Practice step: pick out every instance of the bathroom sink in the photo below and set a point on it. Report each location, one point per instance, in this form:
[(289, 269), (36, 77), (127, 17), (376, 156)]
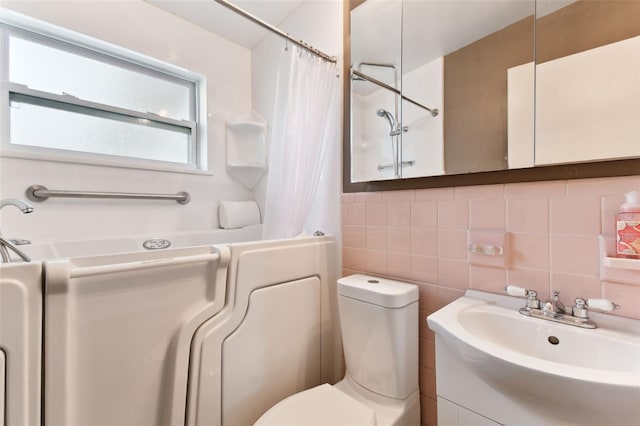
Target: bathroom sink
[(540, 364), (530, 343)]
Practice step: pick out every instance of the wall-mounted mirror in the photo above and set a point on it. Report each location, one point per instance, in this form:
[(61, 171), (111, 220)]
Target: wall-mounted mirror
[(376, 89), (587, 81), (449, 61), (449, 88)]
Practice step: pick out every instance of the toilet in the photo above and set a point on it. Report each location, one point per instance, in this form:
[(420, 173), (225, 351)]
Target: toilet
[(379, 325)]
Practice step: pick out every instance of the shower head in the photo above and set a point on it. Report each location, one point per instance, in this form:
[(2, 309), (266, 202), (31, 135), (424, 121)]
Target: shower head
[(388, 116)]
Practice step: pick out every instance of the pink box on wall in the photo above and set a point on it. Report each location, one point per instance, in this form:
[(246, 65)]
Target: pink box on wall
[(488, 247)]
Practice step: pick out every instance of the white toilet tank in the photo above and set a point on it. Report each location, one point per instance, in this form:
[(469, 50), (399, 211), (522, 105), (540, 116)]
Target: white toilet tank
[(379, 324)]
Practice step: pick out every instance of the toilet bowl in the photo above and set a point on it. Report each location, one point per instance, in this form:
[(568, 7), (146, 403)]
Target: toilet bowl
[(379, 325)]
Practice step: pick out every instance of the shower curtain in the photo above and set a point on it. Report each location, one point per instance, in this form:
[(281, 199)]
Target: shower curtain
[(303, 120)]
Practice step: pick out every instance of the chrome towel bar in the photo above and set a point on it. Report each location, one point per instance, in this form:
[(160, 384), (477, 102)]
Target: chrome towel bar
[(41, 193)]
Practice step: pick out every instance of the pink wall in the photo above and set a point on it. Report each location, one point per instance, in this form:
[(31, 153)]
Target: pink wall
[(553, 231)]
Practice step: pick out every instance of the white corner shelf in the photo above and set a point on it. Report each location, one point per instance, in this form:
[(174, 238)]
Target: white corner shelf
[(247, 148), (621, 263), (247, 126), (247, 174)]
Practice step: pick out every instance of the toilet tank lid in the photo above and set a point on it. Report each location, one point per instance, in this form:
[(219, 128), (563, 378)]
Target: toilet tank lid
[(379, 291)]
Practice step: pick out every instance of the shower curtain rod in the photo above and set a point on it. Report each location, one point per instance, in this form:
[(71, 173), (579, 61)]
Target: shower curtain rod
[(275, 30)]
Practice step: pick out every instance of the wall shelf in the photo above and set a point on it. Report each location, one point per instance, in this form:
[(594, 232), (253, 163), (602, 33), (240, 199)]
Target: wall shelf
[(621, 263), (247, 148), (616, 269), (247, 174), (247, 126)]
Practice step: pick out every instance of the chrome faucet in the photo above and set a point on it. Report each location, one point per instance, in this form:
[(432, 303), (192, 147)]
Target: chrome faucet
[(554, 306), (23, 206), (554, 310), (5, 245)]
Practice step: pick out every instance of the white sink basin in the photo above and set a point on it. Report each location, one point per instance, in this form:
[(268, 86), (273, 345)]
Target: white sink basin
[(592, 376)]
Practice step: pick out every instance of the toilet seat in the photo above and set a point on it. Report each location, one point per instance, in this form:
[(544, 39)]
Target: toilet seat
[(320, 406)]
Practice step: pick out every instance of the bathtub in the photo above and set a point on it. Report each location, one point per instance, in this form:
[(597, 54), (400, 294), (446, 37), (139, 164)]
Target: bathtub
[(42, 250), (200, 333)]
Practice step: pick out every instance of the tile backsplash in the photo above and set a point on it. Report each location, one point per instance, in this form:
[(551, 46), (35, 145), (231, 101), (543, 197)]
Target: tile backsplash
[(554, 232)]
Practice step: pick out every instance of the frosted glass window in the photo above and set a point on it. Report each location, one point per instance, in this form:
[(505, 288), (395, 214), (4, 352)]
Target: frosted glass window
[(76, 72), (75, 131), (77, 95)]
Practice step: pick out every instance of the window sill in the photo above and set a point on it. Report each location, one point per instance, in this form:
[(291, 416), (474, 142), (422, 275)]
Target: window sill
[(89, 160)]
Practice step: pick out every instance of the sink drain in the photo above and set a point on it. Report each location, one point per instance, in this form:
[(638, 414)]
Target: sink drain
[(553, 340)]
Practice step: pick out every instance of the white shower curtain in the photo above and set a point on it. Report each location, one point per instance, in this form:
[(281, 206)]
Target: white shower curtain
[(303, 120)]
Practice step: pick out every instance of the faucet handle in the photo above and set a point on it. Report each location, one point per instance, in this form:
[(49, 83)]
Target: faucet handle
[(580, 309), (532, 300), (513, 290), (602, 305), (531, 295)]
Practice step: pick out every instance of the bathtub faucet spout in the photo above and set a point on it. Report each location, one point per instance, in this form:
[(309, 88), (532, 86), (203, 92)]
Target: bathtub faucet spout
[(5, 245), (22, 205)]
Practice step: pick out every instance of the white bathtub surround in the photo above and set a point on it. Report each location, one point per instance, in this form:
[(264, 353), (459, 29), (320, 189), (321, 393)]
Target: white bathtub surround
[(43, 250), (293, 345), (144, 28), (158, 337), (21, 342), (118, 329), (306, 97), (3, 367)]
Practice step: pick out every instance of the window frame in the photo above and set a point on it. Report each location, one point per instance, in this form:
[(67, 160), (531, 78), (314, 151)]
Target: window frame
[(16, 25)]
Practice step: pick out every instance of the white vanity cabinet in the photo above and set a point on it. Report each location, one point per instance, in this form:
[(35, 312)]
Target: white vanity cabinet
[(450, 414), (497, 366)]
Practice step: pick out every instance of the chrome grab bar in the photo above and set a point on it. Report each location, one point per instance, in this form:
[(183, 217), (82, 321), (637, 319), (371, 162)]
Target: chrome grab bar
[(41, 193)]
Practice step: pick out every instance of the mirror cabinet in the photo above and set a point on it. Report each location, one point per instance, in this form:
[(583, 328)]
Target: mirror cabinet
[(447, 93)]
